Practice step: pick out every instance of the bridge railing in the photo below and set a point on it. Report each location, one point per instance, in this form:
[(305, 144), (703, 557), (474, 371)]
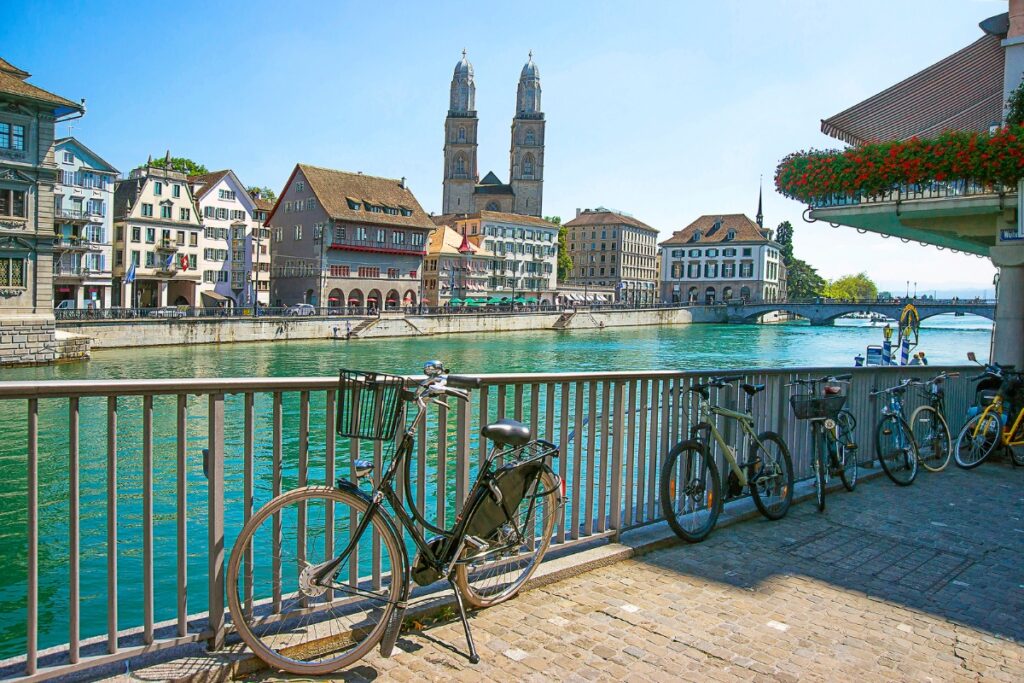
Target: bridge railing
[(117, 524)]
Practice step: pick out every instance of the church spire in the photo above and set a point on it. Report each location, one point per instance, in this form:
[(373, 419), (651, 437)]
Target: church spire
[(528, 97), (760, 213), (463, 93)]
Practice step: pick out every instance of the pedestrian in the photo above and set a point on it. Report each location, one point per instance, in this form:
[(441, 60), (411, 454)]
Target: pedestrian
[(924, 361)]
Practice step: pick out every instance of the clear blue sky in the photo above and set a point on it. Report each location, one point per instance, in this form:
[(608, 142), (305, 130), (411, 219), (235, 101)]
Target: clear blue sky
[(667, 110)]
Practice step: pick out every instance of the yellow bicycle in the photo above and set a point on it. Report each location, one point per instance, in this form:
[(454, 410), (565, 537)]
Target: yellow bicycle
[(993, 426)]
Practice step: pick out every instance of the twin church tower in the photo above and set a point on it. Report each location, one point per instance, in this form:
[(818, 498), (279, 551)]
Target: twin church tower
[(464, 191)]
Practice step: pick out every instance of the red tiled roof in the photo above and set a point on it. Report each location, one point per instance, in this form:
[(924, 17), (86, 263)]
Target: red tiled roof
[(962, 92), (744, 230), (12, 82), (599, 217), (207, 180)]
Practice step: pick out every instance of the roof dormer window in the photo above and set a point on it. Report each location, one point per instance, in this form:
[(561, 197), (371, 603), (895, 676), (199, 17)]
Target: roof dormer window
[(695, 237), (730, 236), (353, 204)]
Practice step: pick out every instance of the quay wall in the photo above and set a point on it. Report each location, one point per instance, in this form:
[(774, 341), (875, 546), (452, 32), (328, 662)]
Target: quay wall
[(108, 334), (34, 340)]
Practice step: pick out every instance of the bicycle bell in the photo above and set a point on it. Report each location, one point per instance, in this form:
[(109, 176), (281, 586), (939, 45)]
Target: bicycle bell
[(433, 368)]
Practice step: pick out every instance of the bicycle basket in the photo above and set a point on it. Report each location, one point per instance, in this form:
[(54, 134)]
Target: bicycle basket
[(369, 404), (807, 407)]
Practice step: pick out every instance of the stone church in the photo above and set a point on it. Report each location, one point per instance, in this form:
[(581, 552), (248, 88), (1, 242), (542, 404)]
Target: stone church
[(464, 191)]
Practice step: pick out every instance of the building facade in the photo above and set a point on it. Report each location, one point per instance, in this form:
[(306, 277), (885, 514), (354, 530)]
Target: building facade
[(525, 250), (722, 258), (613, 249), (262, 263), (463, 190), (456, 267), (233, 235), (347, 240), (159, 240), (83, 226)]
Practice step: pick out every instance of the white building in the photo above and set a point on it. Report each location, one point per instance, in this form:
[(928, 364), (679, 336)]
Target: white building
[(82, 226), (235, 243), (721, 258), (525, 247)]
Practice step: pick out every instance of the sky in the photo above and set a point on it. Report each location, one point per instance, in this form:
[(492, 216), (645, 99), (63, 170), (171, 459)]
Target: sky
[(665, 110)]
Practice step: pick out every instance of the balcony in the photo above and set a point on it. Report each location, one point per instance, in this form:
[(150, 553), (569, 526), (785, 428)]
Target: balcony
[(72, 244), (379, 247), (167, 245), (71, 272)]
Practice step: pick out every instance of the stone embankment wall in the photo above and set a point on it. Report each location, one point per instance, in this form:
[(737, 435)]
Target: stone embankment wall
[(121, 334), (34, 340)]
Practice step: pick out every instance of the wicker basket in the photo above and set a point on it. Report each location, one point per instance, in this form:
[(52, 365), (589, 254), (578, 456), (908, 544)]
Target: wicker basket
[(807, 407), (369, 404)]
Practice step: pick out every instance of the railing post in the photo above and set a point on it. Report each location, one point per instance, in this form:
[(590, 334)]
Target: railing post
[(616, 484), (215, 522)]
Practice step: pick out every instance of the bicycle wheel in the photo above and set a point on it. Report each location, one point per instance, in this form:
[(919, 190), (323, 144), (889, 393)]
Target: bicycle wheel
[(934, 443), (846, 449), (497, 573), (820, 471), (896, 449), (291, 621), (978, 438), (690, 487), (770, 474)]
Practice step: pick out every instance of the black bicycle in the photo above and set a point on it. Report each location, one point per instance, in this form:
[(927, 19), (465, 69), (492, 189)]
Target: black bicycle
[(833, 449), (320, 575)]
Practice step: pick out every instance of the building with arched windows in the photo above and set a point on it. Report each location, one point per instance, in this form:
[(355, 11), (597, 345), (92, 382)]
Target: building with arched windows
[(464, 191)]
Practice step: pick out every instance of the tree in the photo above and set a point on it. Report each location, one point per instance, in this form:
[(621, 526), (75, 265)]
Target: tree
[(858, 286), (802, 279), (564, 260), (181, 164), (263, 193)]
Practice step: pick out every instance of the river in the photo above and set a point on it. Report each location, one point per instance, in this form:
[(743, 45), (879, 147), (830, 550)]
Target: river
[(946, 340)]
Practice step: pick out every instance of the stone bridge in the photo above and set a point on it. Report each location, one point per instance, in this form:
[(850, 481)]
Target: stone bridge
[(825, 313)]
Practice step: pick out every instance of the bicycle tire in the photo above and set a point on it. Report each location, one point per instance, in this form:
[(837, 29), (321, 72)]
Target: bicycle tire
[(973, 449), (902, 469), (820, 473), (935, 444), (313, 632), (848, 457), (700, 493), (1016, 455), (471, 578), (782, 474)]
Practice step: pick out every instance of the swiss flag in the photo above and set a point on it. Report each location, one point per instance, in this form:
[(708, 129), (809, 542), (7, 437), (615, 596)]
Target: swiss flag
[(184, 262)]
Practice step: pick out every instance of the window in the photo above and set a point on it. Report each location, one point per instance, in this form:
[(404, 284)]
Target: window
[(318, 232), (462, 134), (136, 233), (300, 186), (746, 251), (158, 187), (398, 237), (12, 271), (380, 236), (528, 165), (460, 165), (208, 212), (310, 203), (298, 232), (393, 273), (693, 272), (417, 239), (69, 158), (12, 136), (278, 234), (184, 214), (531, 138), (147, 210), (711, 269), (222, 214), (352, 203), (365, 271), (728, 252), (746, 270), (694, 253), (165, 212), (176, 190), (150, 259), (340, 271), (238, 215), (226, 194), (361, 234), (119, 257), (12, 203), (150, 235), (712, 252)]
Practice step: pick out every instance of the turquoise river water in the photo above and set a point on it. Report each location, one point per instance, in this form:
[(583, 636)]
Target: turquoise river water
[(945, 339)]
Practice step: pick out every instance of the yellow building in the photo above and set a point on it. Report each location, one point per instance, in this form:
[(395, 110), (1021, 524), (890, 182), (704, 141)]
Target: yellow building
[(455, 267)]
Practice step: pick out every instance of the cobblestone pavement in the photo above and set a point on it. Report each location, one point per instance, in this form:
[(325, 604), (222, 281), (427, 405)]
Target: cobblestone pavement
[(918, 583)]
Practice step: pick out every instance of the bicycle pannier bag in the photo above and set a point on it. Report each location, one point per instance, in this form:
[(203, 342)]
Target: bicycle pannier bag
[(515, 482)]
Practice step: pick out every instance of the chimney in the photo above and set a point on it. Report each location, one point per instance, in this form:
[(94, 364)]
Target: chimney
[(1016, 19), (577, 212), (401, 183)]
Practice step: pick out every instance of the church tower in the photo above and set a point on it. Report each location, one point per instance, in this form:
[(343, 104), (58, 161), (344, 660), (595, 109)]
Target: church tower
[(526, 165), (460, 145)]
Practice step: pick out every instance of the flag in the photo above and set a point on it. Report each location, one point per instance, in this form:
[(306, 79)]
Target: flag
[(130, 275), (169, 262)]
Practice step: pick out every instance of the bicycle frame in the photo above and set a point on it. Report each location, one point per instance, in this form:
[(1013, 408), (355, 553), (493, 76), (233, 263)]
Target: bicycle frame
[(1006, 433), (746, 421)]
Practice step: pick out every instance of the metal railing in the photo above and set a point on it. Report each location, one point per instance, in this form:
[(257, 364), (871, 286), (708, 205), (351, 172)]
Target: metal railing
[(936, 189), (129, 522)]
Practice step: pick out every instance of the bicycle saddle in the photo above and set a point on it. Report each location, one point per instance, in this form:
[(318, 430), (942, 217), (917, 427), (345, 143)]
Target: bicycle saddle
[(752, 389), (507, 432)]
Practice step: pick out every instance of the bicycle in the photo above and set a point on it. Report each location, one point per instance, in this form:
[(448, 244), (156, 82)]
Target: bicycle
[(690, 483), (991, 427), (305, 608), (831, 431), (895, 445), (929, 426)]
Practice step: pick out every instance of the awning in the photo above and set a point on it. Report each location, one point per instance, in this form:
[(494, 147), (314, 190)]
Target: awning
[(531, 299), (214, 296)]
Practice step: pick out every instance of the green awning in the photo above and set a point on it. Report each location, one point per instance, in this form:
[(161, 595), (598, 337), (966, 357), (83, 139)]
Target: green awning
[(473, 302), (456, 300), (520, 300), (531, 299), (494, 300)]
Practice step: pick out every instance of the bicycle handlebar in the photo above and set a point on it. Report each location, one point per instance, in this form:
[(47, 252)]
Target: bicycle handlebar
[(827, 378), (465, 381)]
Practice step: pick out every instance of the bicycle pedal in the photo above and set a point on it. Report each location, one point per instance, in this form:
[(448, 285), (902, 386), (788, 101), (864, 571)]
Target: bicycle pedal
[(851, 446), (476, 544), (887, 432)]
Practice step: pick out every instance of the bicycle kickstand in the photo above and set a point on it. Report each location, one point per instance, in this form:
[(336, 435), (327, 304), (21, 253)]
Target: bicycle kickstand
[(474, 658)]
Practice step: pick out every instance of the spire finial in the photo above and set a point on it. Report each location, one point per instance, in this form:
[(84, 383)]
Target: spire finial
[(531, 55), (760, 192), (463, 53)]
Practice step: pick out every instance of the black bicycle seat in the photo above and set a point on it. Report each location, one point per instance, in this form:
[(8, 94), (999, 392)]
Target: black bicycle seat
[(507, 432), (752, 389)]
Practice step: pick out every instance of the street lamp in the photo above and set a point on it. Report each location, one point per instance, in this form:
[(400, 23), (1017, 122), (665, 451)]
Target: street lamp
[(915, 290), (907, 295)]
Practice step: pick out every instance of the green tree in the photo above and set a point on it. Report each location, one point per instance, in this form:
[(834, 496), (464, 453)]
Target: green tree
[(182, 164), (564, 260), (263, 192), (802, 279), (858, 286)]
